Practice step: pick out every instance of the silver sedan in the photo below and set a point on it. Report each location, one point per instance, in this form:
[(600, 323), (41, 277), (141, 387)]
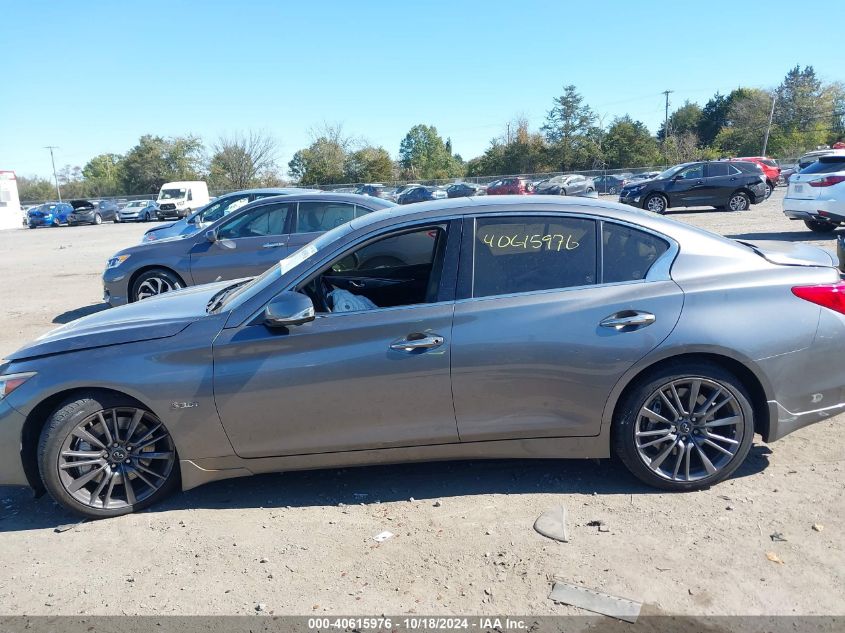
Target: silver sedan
[(541, 327)]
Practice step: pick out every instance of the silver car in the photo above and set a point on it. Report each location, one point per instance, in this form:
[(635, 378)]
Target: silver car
[(542, 327), (138, 211)]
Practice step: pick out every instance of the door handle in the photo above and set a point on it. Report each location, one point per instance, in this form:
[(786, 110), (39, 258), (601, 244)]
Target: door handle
[(417, 341), (628, 319), (272, 245)]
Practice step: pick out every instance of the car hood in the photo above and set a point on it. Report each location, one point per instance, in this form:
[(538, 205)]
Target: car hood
[(147, 320), (174, 229)]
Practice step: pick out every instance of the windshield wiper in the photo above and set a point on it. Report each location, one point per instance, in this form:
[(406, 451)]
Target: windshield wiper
[(220, 296)]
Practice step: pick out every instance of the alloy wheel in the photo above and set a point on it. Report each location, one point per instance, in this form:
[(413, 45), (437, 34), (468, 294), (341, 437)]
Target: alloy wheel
[(738, 203), (155, 286), (116, 458), (689, 429), (656, 204)]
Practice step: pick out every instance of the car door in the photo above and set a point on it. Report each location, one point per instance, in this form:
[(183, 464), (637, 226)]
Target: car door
[(719, 184), (540, 336), (687, 187), (372, 378), (247, 244)]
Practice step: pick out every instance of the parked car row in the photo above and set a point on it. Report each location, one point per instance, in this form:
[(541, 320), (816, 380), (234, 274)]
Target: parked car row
[(816, 194)]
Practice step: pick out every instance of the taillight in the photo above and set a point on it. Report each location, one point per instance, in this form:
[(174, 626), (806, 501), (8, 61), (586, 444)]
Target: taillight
[(830, 296), (827, 181)]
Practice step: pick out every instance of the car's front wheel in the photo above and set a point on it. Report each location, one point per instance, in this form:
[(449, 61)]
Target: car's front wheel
[(656, 203), (684, 427), (820, 226), (103, 455), (147, 216), (98, 219), (154, 282), (612, 191)]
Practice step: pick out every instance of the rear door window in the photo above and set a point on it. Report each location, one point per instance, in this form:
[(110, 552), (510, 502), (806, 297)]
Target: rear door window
[(527, 254), (313, 217), (627, 253), (715, 170)]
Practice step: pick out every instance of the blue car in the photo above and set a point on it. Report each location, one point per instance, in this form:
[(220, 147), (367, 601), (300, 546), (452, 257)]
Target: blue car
[(48, 214)]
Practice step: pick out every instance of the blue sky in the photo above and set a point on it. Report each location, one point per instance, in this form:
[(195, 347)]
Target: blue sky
[(91, 77)]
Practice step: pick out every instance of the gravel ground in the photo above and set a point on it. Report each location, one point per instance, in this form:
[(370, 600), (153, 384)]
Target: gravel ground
[(302, 543)]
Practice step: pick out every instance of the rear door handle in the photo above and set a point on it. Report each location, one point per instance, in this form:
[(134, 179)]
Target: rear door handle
[(417, 341), (632, 319), (272, 245)]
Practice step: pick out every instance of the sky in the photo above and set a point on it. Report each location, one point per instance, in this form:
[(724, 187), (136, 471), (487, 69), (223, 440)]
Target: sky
[(92, 77)]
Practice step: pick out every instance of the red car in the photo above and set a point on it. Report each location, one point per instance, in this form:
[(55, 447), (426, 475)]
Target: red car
[(769, 167), (509, 186)]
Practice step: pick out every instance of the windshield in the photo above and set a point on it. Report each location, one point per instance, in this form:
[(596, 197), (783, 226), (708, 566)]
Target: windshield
[(274, 273), (218, 209), (135, 203), (171, 194), (671, 171)]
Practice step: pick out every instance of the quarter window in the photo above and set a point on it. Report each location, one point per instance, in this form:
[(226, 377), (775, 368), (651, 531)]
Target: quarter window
[(526, 254), (628, 253), (313, 217)]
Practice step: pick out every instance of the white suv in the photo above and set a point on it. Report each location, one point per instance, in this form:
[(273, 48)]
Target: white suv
[(816, 194)]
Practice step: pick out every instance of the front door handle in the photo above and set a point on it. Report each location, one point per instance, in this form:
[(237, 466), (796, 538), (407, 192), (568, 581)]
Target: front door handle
[(417, 341), (628, 320), (272, 245)]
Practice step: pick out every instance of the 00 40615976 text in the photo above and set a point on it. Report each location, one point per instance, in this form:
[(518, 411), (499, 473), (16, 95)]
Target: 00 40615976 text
[(535, 242)]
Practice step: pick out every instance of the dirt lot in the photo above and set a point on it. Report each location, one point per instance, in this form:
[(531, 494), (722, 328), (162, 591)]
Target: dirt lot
[(302, 543)]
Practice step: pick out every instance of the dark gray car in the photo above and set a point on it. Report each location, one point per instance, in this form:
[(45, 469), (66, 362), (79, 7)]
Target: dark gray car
[(542, 327), (566, 185), (243, 243), (92, 212)]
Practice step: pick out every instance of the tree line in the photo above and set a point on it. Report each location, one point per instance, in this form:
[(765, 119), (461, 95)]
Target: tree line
[(805, 111)]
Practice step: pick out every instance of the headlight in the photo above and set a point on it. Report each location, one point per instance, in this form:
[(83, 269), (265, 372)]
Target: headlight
[(116, 261), (12, 381)]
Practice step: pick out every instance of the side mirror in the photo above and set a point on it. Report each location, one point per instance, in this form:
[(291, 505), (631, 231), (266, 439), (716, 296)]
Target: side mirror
[(211, 236), (288, 308)]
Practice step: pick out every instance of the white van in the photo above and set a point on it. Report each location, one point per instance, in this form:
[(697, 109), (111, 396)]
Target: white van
[(180, 199)]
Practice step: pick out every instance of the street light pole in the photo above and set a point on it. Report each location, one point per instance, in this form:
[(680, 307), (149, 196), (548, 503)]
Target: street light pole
[(55, 177)]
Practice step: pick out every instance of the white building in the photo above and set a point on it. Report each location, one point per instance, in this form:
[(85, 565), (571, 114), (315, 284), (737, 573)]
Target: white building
[(10, 203)]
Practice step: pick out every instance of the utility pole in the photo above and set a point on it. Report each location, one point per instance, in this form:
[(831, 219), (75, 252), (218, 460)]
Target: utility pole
[(769, 126), (55, 177), (509, 133), (666, 93)]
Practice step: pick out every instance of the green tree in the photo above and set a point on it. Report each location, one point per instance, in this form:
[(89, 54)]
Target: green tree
[(685, 119), (628, 143), (806, 110), (745, 126), (713, 117), (526, 153), (35, 189), (104, 175), (369, 164), (423, 154), (570, 131), (323, 162), (156, 160)]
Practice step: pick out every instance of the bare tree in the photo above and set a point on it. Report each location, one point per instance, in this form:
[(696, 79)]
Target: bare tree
[(243, 160)]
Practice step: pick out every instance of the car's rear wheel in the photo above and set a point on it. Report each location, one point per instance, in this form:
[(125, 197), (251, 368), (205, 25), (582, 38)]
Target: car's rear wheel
[(104, 455), (612, 190), (684, 427), (98, 218), (739, 201), (154, 282), (147, 216), (656, 203), (769, 189), (820, 226)]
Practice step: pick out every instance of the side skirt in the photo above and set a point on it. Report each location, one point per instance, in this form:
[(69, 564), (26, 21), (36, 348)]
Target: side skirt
[(197, 472)]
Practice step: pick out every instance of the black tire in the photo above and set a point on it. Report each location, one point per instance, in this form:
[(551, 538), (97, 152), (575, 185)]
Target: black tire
[(657, 203), (166, 278), (98, 219), (56, 432), (32, 226), (769, 189), (147, 216), (624, 442), (739, 201), (820, 226)]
